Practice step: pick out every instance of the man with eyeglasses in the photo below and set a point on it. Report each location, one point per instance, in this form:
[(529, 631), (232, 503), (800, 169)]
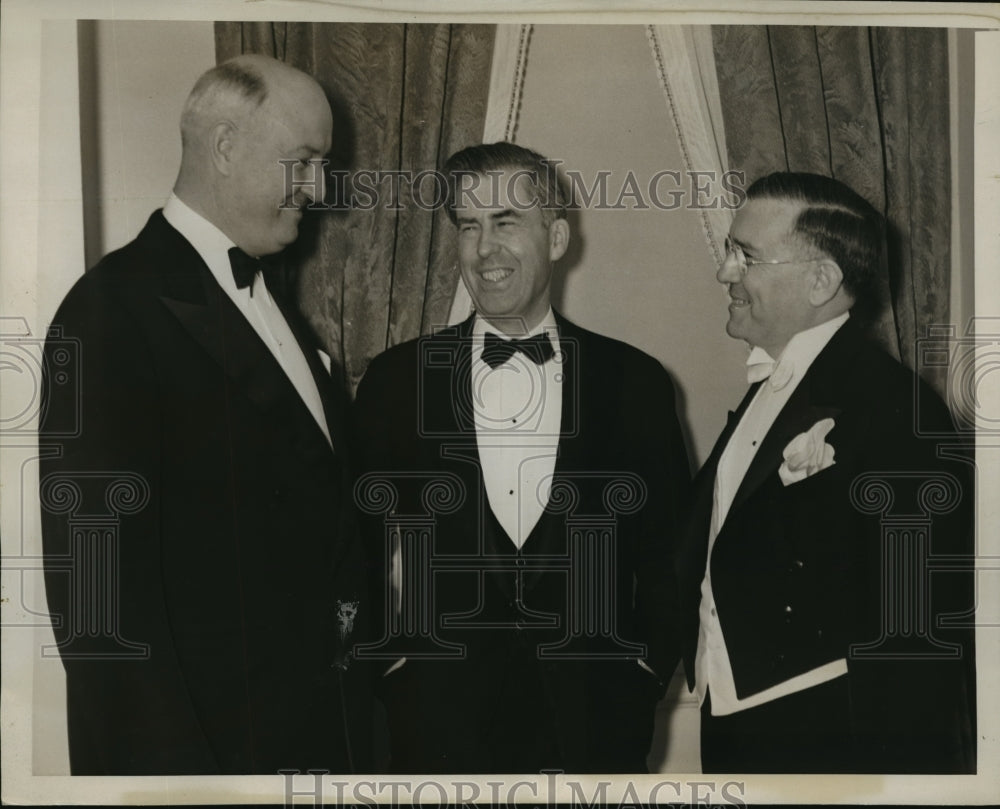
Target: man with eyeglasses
[(806, 648)]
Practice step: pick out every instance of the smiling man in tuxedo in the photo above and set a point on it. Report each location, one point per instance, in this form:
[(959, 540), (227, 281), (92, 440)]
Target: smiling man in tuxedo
[(812, 631), (545, 588), (209, 632)]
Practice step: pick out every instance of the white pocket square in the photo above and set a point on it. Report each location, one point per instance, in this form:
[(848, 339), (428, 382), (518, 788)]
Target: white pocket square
[(807, 453)]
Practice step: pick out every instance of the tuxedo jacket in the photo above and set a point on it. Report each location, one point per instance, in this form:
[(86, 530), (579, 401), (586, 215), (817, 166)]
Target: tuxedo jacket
[(816, 571), (202, 569), (621, 469)]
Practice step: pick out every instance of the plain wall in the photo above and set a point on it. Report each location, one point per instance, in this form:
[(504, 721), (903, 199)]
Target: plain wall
[(135, 76)]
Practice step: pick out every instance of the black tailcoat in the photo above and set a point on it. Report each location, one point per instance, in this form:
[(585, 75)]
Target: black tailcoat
[(801, 573)]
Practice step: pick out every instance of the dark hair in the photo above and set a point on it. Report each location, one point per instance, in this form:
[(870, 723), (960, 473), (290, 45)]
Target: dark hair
[(835, 220), (550, 191)]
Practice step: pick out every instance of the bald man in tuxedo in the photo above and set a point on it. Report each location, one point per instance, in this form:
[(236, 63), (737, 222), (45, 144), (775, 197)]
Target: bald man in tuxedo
[(232, 574)]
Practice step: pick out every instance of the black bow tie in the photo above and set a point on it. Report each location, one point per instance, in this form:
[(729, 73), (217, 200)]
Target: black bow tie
[(496, 351), (245, 269)]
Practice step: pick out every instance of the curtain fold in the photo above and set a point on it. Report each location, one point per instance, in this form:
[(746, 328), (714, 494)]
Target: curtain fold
[(868, 106), (403, 97), (682, 57)]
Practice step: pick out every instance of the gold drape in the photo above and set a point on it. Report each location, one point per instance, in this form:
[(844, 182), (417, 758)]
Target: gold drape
[(404, 97), (870, 107)]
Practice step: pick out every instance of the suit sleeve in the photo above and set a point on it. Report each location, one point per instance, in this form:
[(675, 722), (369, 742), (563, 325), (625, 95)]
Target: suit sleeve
[(128, 709), (667, 476), (373, 438)]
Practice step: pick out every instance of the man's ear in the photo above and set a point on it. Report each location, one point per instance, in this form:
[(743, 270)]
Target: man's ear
[(222, 146), (827, 281), (558, 239)]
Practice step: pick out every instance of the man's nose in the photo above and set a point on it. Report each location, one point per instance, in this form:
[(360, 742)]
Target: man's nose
[(729, 270), (487, 242)]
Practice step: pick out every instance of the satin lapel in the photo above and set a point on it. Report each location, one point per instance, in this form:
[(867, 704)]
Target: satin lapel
[(333, 410), (692, 557), (323, 379), (707, 471), (446, 392), (816, 398), (797, 416), (223, 332), (444, 377), (460, 393), (191, 293)]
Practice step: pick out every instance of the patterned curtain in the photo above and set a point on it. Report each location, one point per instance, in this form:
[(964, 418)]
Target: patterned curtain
[(868, 106), (404, 97)]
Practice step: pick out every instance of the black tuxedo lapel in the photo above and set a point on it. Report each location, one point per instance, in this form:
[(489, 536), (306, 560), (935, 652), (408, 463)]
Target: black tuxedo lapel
[(322, 377), (444, 379), (446, 430), (692, 556), (732, 419), (202, 308), (704, 485), (799, 414), (460, 406), (814, 399)]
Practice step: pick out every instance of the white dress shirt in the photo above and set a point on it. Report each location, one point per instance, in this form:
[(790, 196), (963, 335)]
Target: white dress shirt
[(518, 411), (712, 667), (259, 308), (517, 408)]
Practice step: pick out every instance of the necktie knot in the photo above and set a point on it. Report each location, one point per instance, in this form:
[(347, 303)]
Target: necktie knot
[(245, 269), (496, 351)]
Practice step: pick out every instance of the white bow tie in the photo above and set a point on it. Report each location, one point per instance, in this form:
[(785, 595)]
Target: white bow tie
[(760, 366)]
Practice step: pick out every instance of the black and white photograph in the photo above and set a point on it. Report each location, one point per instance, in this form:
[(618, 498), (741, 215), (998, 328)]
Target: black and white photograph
[(433, 403)]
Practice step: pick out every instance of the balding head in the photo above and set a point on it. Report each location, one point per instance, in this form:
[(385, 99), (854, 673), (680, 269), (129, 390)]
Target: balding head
[(244, 125)]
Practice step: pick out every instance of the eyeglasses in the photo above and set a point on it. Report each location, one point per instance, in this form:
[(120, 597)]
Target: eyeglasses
[(736, 251)]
